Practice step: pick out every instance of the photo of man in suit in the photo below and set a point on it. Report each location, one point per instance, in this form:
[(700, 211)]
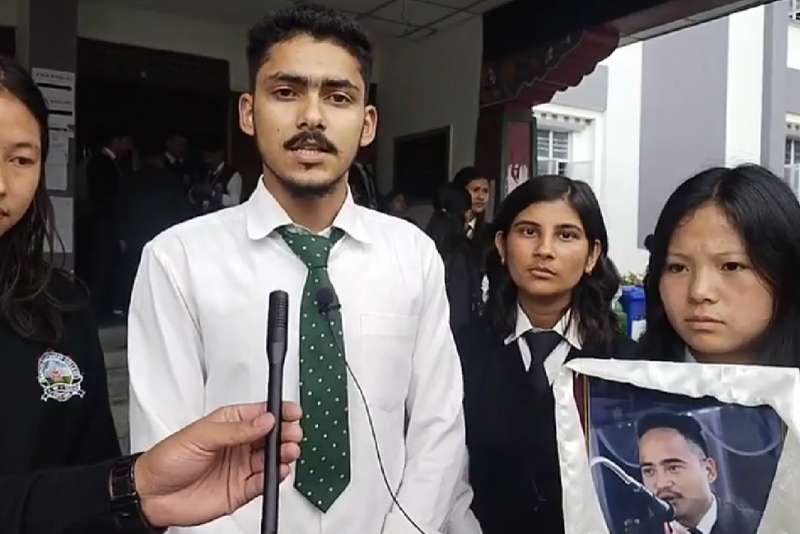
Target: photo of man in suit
[(676, 466)]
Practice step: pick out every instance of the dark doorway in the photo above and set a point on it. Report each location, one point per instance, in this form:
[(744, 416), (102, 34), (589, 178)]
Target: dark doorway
[(148, 94)]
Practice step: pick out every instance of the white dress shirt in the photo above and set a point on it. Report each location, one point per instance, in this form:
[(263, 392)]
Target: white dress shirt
[(234, 187), (197, 342), (566, 328)]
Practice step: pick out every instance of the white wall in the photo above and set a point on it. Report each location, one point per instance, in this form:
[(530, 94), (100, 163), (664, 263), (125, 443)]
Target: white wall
[(793, 46), (428, 85), (745, 87), (167, 32), (617, 187)]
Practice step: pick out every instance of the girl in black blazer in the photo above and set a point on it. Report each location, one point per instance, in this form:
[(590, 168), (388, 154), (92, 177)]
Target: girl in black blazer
[(54, 379), (551, 286)]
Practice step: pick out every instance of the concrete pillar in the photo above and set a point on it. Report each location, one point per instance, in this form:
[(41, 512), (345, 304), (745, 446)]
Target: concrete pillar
[(46, 38)]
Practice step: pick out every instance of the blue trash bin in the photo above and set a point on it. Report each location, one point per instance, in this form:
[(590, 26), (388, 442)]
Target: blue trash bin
[(633, 302)]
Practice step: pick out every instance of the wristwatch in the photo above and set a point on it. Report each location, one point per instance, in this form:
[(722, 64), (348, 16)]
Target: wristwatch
[(125, 505)]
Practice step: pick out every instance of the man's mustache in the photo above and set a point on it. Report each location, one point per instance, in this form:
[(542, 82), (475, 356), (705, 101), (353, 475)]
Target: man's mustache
[(669, 495), (315, 140)]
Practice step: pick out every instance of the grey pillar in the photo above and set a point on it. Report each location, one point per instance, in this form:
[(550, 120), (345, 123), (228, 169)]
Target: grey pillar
[(46, 38), (773, 117)]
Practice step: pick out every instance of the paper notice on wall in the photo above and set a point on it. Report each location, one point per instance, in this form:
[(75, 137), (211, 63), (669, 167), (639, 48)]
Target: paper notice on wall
[(57, 164), (58, 88), (63, 208), (61, 123)]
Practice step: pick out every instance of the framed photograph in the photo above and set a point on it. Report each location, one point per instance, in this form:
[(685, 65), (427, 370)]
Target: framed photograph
[(655, 447)]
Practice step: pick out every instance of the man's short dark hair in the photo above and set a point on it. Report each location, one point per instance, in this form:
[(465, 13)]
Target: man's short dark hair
[(321, 23), (110, 133), (686, 425)]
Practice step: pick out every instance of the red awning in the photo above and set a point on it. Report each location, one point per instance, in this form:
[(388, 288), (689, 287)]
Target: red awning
[(532, 76)]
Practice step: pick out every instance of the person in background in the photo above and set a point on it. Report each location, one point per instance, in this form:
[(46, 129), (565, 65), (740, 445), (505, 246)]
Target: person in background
[(202, 472), (461, 274), (221, 187), (176, 152), (476, 228), (722, 284), (54, 373), (104, 182), (396, 204), (551, 287), (152, 200)]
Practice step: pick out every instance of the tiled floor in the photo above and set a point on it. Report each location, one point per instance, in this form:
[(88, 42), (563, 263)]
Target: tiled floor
[(113, 340)]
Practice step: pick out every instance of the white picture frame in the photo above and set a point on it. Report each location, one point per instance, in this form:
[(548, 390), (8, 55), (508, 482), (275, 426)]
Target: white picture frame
[(753, 386)]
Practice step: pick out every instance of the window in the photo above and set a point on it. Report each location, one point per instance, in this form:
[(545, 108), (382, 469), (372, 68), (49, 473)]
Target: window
[(792, 160), (794, 10), (792, 151), (552, 151)]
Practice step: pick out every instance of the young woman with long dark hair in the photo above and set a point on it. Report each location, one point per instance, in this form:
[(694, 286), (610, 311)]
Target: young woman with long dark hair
[(551, 286), (57, 410), (723, 282)]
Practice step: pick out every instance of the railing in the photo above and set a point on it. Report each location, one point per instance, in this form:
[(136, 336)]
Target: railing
[(791, 173)]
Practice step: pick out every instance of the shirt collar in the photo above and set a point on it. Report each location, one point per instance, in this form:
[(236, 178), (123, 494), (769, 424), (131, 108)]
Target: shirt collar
[(710, 519), (265, 215), (565, 327), (110, 153)]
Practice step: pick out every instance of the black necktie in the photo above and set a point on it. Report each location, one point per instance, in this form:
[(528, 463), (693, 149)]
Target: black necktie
[(541, 344), (694, 530)]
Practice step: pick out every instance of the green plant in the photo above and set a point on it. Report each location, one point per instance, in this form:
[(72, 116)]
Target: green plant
[(632, 279)]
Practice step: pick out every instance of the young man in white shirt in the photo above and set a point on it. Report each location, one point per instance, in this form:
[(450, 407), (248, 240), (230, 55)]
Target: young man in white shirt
[(199, 308)]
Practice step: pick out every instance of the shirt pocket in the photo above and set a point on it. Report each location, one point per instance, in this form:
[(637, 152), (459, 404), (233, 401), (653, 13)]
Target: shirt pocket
[(383, 364)]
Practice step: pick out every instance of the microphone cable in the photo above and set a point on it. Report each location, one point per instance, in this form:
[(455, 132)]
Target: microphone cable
[(327, 301)]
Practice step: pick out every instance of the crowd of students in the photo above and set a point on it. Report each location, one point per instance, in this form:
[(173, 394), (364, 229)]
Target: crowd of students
[(721, 287)]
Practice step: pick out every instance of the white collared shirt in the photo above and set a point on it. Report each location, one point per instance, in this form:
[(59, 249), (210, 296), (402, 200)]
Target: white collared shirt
[(233, 188), (197, 342), (564, 327), (470, 230), (709, 519)]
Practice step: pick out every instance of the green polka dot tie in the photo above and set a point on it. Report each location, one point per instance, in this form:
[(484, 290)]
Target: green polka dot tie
[(323, 471)]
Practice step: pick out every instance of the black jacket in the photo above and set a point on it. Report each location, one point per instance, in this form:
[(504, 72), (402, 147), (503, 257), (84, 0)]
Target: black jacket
[(734, 520), (71, 500), (513, 458), (103, 182), (58, 412), (462, 273)]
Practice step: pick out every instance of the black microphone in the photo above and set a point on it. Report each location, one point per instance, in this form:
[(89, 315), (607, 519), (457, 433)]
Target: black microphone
[(277, 333), (661, 509), (327, 301)]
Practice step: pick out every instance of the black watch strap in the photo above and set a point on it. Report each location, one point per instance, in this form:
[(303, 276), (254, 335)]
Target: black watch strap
[(125, 505)]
